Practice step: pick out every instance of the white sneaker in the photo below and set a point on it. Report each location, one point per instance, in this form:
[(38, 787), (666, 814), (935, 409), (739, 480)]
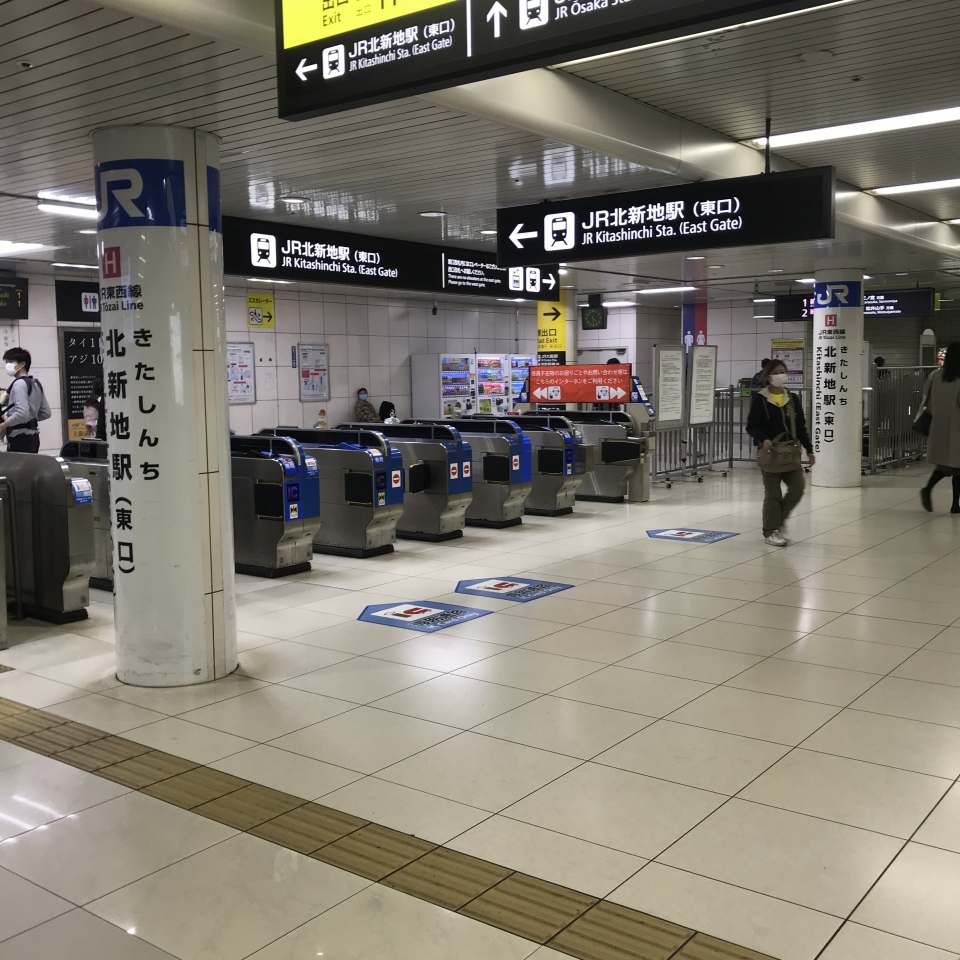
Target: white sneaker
[(775, 540)]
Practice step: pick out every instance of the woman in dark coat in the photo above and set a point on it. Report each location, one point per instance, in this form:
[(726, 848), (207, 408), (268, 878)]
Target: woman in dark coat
[(943, 448), (770, 418)]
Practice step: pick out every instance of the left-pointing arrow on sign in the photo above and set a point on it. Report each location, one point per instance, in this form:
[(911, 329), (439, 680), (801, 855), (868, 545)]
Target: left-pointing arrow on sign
[(497, 11), (518, 236), (303, 68)]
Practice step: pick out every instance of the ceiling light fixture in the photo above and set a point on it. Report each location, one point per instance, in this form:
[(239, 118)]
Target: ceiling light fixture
[(685, 289), (8, 247), (861, 129), (486, 233), (775, 270), (77, 266), (563, 272), (866, 277), (764, 299), (68, 210), (88, 233), (715, 266), (294, 201), (764, 316), (915, 187), (432, 214), (619, 303), (696, 258), (269, 280), (511, 300), (807, 280), (954, 221), (903, 274), (82, 199)]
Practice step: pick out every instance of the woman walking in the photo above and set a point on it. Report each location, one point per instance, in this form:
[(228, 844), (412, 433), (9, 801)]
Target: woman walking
[(943, 448), (777, 423)]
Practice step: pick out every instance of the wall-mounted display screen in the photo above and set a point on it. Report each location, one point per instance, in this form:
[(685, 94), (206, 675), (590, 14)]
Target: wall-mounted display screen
[(14, 298)]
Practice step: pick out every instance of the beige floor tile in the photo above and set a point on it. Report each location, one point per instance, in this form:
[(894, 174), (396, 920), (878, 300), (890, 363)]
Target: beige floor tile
[(383, 923), (917, 898), (285, 659), (287, 772), (188, 740), (549, 855), (645, 623), (781, 617), (25, 905), (582, 569), (479, 771), (565, 726), (856, 942), (914, 611), (878, 658), (586, 643), (686, 660), (106, 713), (108, 846), (932, 666), (93, 675), (617, 594), (920, 590), (13, 756), (805, 681), (880, 630), (267, 713), (913, 699), (635, 691), (456, 701), (557, 609), (365, 739), (438, 651), (176, 700), (36, 691), (401, 808), (799, 595), (629, 812), (247, 890), (756, 573), (689, 565), (744, 590), (942, 827), (759, 715), (908, 744), (740, 638), (859, 794), (946, 642), (829, 580), (355, 636), (765, 924), (652, 579), (688, 604), (361, 680), (815, 863), (530, 670), (498, 628), (694, 756), (288, 623)]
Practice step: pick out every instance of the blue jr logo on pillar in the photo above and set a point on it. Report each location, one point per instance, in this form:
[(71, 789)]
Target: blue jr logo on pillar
[(838, 294), (138, 193)]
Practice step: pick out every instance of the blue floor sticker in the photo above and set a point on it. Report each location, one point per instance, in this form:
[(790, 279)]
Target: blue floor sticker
[(690, 535), (425, 616), (520, 589)]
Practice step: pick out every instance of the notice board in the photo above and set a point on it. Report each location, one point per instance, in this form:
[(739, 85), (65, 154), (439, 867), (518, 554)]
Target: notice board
[(703, 384), (81, 361), (314, 364), (241, 373)]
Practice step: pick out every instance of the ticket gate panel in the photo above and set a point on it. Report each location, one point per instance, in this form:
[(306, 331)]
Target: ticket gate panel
[(54, 518), (500, 468), (89, 459), (439, 487), (276, 505), (361, 490)]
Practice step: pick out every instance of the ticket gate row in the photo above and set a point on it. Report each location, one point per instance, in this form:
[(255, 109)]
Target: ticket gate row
[(49, 550), (276, 505), (439, 471), (500, 470), (361, 489), (89, 459)]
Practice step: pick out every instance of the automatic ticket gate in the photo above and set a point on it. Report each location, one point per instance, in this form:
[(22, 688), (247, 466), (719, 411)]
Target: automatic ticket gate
[(50, 555), (439, 487), (361, 489), (88, 459), (276, 505), (619, 456), (501, 470)]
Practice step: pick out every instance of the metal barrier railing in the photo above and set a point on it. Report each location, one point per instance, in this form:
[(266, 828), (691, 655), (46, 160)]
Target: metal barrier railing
[(890, 404), (8, 502)]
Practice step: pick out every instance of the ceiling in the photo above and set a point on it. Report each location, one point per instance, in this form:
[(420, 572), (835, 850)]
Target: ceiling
[(374, 170)]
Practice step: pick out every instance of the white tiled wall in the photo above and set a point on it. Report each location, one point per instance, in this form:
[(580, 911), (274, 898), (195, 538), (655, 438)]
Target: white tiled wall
[(371, 339)]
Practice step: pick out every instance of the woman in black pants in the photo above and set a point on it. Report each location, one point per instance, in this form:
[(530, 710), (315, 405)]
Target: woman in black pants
[(943, 448)]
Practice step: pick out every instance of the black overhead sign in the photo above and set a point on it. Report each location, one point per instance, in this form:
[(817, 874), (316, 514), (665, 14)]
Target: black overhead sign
[(794, 306), (257, 248), (338, 54), (914, 302), (13, 298), (78, 301), (746, 211)]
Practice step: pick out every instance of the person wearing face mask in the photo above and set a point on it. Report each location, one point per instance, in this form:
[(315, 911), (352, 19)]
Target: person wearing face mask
[(27, 406), (777, 423), (365, 411)]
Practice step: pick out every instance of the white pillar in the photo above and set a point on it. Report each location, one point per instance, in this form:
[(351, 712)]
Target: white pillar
[(160, 246), (836, 417)]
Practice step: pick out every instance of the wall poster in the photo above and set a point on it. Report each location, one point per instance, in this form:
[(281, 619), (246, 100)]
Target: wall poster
[(670, 363), (314, 364), (81, 361), (241, 373), (703, 384)]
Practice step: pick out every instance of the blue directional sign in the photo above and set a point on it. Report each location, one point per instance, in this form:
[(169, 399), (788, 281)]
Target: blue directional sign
[(689, 535), (518, 589), (424, 616)]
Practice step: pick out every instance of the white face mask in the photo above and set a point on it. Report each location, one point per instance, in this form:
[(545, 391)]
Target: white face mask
[(778, 379), (11, 369)]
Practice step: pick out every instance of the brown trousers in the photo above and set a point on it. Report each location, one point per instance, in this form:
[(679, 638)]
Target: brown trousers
[(777, 505)]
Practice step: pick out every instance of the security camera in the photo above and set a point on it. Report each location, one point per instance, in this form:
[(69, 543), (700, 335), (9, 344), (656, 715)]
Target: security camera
[(434, 311)]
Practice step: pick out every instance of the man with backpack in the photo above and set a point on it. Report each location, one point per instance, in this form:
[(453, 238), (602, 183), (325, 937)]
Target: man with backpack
[(26, 407)]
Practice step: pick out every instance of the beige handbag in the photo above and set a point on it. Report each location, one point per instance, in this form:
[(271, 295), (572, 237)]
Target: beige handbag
[(785, 454)]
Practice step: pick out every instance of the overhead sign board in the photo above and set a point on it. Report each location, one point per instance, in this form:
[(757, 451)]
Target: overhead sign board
[(14, 298), (744, 211), (912, 302), (339, 54), (257, 248), (551, 333), (78, 301), (793, 307), (581, 383)]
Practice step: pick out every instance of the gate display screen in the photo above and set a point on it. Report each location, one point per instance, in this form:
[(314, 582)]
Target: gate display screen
[(338, 54), (916, 302), (13, 298)]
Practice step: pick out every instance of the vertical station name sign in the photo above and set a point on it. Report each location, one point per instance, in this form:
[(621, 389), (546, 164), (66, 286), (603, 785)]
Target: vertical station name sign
[(338, 54), (744, 211), (255, 248)]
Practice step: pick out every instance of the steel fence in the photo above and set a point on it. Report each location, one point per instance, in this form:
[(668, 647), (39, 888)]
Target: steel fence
[(890, 404)]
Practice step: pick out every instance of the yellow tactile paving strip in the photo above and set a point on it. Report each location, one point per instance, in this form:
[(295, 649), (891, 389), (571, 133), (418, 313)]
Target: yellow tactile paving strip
[(566, 920)]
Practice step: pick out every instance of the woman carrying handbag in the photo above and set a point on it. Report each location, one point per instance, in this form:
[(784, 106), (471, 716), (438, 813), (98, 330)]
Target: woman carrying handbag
[(939, 419), (777, 423)]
